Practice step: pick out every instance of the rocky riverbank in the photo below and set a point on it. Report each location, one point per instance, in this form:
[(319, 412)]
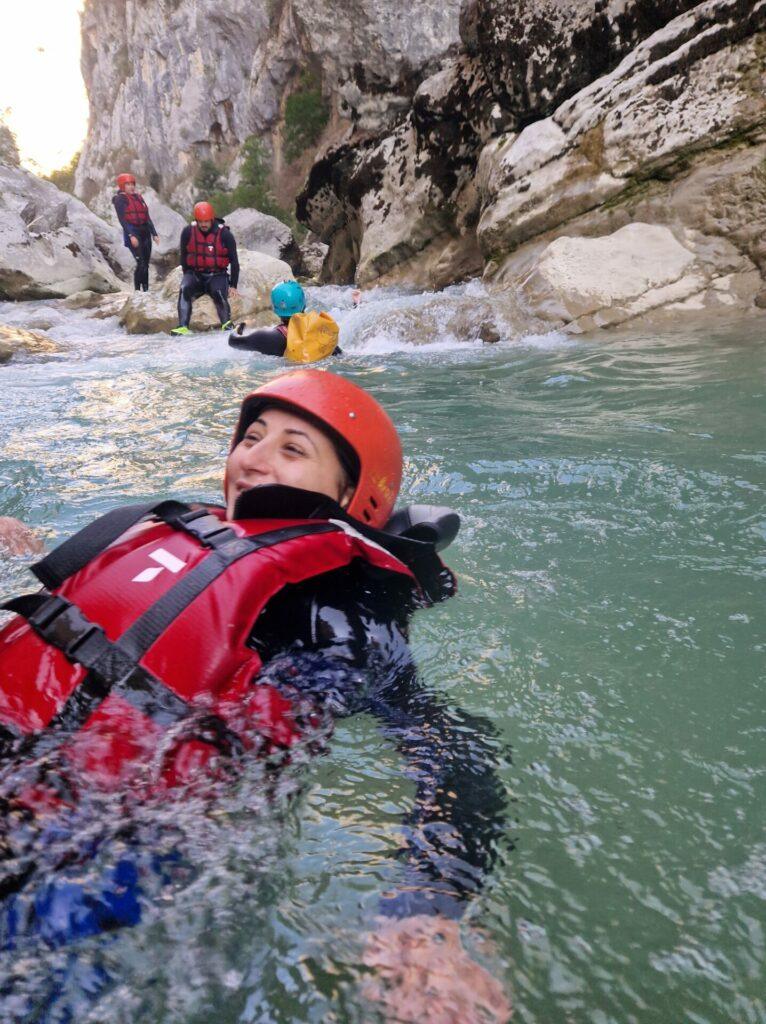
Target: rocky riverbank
[(601, 161), (568, 123)]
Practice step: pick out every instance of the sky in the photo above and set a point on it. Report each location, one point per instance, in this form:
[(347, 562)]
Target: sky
[(42, 96)]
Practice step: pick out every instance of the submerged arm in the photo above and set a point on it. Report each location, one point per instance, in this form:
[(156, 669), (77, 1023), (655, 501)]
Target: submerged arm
[(356, 658), (269, 341)]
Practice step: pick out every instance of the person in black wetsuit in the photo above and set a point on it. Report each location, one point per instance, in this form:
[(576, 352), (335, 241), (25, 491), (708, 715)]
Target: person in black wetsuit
[(287, 299), (137, 228), (210, 264), (311, 447)]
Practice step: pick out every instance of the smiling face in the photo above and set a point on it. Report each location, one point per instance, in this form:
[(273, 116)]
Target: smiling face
[(280, 447), (204, 225)]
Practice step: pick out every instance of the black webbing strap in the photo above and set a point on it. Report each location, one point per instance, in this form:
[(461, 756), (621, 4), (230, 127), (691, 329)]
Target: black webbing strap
[(142, 634), (199, 523), (110, 667), (69, 557), (113, 664)]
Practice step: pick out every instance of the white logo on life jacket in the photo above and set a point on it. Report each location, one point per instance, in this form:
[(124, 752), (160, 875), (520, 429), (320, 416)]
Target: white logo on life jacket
[(166, 561)]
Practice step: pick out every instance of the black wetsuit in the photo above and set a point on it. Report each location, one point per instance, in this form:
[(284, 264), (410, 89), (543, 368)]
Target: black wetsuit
[(214, 283), (269, 341), (342, 640), (143, 233)]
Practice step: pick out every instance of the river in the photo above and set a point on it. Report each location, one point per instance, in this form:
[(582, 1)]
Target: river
[(610, 622)]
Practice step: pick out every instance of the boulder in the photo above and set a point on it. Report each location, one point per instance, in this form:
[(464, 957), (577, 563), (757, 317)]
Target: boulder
[(582, 283), (686, 103), (262, 233), (51, 245), (99, 307), (313, 254), (16, 339), (154, 312)]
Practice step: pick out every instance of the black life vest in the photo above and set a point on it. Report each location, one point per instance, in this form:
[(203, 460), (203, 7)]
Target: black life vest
[(206, 252)]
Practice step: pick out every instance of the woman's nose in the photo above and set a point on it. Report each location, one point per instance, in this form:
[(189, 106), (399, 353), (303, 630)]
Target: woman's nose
[(258, 457)]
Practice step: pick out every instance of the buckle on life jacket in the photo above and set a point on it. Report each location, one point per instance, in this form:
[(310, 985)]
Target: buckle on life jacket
[(63, 625), (43, 616), (207, 528)]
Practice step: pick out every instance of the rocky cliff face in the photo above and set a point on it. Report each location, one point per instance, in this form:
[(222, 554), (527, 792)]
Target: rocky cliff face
[(174, 82), (561, 119), (462, 138), (51, 244)]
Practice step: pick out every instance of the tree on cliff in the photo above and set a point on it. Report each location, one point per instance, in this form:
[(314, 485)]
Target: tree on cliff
[(9, 151), (253, 190), (63, 178)]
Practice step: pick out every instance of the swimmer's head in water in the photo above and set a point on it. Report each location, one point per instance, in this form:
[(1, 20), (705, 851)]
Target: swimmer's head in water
[(361, 437), (287, 299)]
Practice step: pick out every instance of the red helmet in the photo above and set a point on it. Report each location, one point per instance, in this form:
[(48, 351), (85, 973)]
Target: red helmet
[(353, 420), (204, 211), (125, 179)]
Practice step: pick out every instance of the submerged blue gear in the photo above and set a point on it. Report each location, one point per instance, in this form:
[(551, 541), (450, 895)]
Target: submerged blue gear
[(288, 298)]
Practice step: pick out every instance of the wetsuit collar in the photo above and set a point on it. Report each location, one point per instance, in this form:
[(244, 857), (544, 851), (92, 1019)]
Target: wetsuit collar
[(277, 501)]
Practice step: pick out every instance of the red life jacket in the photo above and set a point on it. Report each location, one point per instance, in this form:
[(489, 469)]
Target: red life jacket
[(136, 210), (137, 651), (206, 252)]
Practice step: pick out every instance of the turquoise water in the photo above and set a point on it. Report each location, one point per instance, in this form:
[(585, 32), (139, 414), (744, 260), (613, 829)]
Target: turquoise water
[(610, 622)]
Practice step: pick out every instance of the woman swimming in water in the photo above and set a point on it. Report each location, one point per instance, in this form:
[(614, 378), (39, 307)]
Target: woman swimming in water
[(293, 603)]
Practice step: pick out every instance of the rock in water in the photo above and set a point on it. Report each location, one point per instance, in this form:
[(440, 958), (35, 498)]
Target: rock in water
[(581, 283), (15, 339)]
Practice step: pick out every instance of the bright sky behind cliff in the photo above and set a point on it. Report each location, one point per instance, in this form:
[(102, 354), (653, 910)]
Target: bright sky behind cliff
[(42, 96)]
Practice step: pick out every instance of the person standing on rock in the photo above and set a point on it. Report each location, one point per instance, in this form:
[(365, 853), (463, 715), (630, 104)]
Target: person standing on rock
[(137, 228), (210, 265)]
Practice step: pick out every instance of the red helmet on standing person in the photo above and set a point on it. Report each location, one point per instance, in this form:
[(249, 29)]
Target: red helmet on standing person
[(362, 432), (203, 212), (125, 179)]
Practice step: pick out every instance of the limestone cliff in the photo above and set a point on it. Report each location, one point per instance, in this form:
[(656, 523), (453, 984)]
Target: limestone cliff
[(551, 110), (175, 82), (460, 138)]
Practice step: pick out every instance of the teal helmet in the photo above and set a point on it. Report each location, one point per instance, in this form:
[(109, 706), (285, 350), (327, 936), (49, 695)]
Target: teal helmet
[(287, 298)]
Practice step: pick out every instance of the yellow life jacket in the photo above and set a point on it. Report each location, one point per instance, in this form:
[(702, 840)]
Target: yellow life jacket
[(310, 337)]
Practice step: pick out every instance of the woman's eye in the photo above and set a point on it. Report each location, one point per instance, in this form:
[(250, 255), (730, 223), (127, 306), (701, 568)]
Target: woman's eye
[(294, 449)]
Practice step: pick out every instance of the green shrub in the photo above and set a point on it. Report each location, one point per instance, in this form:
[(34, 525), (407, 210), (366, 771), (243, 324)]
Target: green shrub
[(63, 178), (253, 190), (208, 178), (306, 114), (9, 151)]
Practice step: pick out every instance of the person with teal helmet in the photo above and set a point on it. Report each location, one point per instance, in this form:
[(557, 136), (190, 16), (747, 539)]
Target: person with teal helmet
[(287, 299)]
